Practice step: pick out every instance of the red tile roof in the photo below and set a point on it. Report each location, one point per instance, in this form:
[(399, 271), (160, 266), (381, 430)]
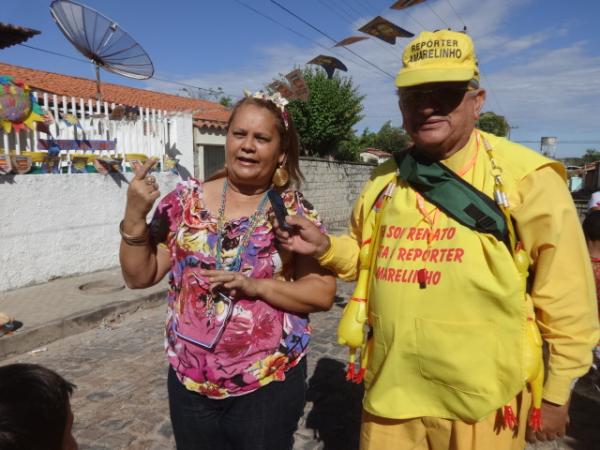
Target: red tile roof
[(203, 111)]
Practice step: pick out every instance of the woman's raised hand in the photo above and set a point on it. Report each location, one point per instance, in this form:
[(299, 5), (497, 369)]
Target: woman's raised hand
[(142, 192)]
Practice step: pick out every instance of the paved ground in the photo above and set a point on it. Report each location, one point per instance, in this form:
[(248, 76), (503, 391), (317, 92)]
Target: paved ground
[(120, 402)]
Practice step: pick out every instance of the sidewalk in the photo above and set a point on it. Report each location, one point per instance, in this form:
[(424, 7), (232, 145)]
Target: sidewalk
[(67, 306)]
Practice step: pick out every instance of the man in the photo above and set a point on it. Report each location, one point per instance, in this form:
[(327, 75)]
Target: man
[(35, 410), (446, 304)]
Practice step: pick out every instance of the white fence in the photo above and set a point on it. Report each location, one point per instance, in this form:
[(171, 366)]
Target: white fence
[(99, 130)]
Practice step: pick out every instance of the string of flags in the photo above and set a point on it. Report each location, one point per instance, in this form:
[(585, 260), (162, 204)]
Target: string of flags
[(378, 27)]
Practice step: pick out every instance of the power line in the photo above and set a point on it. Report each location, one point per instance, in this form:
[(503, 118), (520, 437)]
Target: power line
[(377, 40), (291, 30), (54, 53), (437, 15), (456, 13), (331, 39), (51, 52)]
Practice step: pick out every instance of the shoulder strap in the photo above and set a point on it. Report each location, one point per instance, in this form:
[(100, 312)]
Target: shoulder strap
[(451, 194)]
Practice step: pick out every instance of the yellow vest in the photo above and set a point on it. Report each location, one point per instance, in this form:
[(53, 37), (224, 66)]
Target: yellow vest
[(455, 348)]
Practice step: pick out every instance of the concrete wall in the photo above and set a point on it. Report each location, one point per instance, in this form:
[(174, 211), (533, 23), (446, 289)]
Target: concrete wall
[(61, 225), (332, 187)]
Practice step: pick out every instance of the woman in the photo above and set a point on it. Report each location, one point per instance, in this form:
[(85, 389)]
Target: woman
[(237, 326)]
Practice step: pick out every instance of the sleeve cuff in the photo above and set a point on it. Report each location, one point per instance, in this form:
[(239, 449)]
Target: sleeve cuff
[(328, 257), (557, 389)]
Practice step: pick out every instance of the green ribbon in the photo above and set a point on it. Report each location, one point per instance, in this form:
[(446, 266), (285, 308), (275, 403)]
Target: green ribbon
[(451, 194)]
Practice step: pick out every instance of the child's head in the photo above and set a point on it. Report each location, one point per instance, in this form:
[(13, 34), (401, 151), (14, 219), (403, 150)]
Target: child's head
[(35, 411), (591, 226)]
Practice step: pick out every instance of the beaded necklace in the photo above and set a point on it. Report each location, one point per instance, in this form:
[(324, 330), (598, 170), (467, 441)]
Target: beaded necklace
[(236, 263)]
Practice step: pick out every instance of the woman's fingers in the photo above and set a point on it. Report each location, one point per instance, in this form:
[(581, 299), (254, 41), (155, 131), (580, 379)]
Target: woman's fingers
[(233, 282), (142, 171)]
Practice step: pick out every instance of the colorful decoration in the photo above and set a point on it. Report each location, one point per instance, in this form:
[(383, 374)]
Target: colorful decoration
[(329, 63), (18, 107), (298, 84), (350, 40), (75, 144), (5, 165), (401, 4), (276, 98), (108, 165), (21, 164), (385, 30), (284, 90), (70, 120)]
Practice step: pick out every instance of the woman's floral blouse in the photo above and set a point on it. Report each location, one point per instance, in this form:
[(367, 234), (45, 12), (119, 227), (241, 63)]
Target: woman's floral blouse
[(256, 343)]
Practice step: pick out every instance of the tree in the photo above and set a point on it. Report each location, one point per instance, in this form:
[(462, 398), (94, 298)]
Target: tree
[(326, 119), (390, 138), (591, 155), (493, 123)]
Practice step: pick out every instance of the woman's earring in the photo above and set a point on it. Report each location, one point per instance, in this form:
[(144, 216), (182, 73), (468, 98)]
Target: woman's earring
[(280, 177)]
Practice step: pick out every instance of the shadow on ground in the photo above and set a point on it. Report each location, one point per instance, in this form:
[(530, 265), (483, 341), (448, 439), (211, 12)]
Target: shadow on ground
[(337, 406), (584, 411)]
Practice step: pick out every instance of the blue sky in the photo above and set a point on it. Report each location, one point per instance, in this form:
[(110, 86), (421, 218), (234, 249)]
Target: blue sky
[(540, 59)]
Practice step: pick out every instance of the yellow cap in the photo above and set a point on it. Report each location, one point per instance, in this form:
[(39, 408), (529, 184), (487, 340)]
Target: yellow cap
[(437, 57)]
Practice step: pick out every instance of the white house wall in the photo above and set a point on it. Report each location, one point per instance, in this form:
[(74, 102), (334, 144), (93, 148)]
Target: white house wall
[(181, 132), (60, 225)]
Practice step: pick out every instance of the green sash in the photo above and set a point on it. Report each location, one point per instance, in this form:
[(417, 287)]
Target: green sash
[(452, 195)]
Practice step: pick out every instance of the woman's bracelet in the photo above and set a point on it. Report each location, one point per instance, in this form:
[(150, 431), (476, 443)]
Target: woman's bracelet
[(139, 240)]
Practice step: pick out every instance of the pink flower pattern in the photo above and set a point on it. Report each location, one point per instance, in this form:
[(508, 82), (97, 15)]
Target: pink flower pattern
[(259, 343)]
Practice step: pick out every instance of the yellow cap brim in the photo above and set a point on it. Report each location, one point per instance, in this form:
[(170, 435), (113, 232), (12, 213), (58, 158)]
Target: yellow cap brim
[(414, 77)]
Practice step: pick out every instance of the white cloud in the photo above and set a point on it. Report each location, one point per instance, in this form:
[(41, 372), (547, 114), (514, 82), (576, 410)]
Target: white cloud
[(543, 90)]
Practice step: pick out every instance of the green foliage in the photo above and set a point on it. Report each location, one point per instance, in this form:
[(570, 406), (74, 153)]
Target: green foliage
[(226, 101), (390, 138), (493, 123), (591, 155), (325, 121), (572, 161)]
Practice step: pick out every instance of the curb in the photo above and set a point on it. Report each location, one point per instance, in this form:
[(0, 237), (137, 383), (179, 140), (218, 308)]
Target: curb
[(27, 340)]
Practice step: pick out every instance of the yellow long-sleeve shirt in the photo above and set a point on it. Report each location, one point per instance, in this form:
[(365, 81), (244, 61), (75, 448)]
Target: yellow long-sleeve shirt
[(563, 285)]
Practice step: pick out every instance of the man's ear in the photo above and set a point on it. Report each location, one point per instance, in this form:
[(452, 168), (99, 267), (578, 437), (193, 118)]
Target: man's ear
[(478, 103)]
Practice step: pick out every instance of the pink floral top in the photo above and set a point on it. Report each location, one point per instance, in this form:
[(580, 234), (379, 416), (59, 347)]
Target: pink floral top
[(256, 343)]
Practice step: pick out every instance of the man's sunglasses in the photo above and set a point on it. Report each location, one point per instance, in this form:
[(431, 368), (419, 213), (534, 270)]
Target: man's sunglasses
[(449, 95)]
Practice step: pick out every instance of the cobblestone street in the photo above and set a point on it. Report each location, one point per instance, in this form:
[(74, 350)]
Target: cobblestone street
[(121, 401)]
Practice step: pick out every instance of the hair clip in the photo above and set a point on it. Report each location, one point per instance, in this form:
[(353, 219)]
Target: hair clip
[(277, 99)]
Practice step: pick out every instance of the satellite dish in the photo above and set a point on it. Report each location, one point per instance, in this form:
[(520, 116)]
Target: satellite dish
[(101, 40)]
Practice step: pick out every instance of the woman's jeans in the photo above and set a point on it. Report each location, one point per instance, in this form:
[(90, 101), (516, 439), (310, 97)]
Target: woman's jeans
[(265, 419)]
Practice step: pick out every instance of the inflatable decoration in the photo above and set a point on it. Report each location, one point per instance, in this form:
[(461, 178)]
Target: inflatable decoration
[(18, 107)]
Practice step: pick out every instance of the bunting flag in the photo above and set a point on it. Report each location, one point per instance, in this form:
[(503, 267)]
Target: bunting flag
[(329, 63), (108, 165), (70, 120), (282, 88), (21, 164), (350, 40), (5, 164), (118, 113), (298, 84), (79, 163), (385, 30), (18, 107), (401, 4)]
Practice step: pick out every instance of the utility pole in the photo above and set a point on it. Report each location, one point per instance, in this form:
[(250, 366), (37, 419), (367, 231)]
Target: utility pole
[(511, 128)]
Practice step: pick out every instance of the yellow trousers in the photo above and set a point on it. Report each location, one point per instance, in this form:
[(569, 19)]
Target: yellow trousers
[(430, 433)]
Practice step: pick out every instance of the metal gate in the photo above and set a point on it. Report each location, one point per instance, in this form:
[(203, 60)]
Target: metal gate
[(214, 159)]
